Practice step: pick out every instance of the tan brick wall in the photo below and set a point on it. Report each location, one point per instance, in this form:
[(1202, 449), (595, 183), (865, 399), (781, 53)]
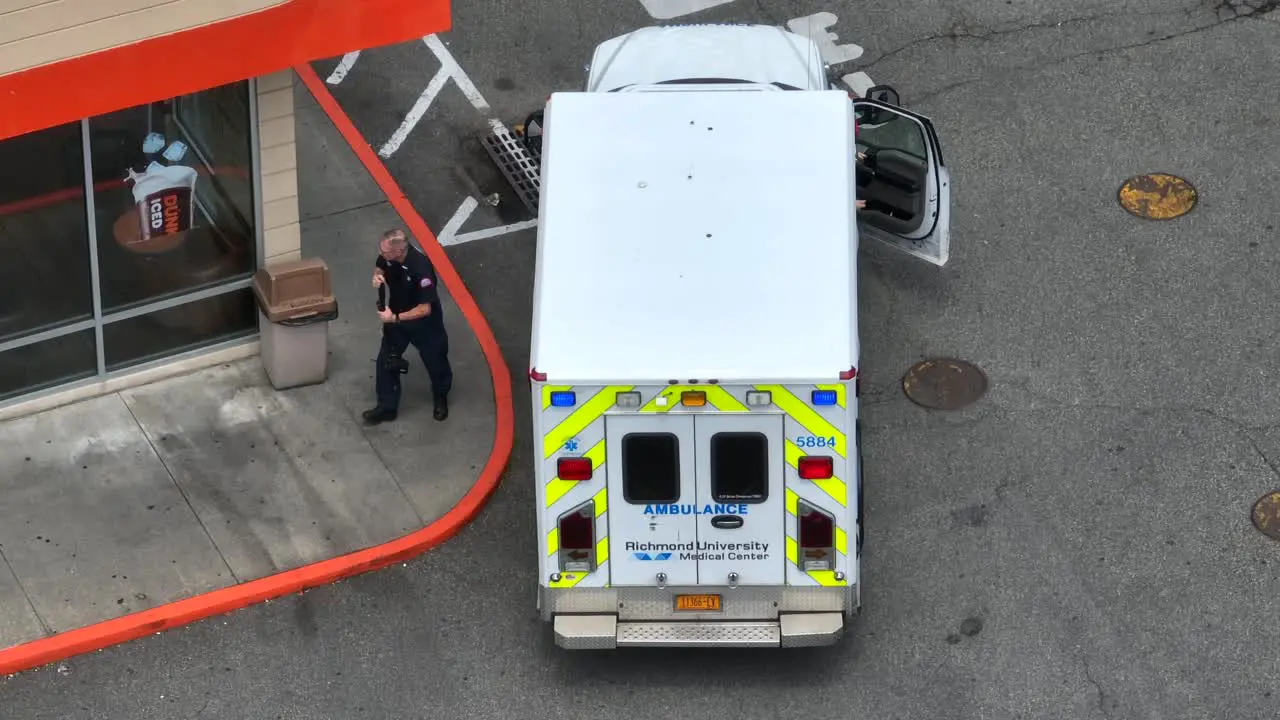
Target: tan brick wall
[(281, 233), (38, 32)]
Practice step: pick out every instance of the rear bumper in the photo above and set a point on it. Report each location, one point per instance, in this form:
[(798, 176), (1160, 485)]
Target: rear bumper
[(602, 618), (606, 632)]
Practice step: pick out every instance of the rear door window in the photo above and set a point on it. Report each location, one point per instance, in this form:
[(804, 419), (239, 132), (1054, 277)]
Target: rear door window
[(739, 467), (651, 468)]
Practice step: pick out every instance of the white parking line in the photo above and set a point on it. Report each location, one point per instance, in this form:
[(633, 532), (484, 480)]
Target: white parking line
[(449, 70), (415, 113), (456, 72), (344, 66)]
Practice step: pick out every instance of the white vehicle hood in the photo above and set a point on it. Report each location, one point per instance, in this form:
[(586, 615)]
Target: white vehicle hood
[(754, 53)]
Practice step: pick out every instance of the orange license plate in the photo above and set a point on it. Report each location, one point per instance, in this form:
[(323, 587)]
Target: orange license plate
[(698, 603)]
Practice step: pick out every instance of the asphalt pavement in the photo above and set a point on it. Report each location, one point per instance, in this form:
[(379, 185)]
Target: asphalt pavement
[(1076, 545)]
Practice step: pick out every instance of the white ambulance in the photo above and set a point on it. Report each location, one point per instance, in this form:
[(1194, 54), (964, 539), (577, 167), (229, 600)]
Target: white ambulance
[(694, 350)]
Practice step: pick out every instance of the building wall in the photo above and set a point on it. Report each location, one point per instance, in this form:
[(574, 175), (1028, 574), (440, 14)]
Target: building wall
[(281, 232), (38, 32)]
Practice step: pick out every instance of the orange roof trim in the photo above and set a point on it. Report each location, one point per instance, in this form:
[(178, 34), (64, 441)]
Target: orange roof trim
[(294, 32)]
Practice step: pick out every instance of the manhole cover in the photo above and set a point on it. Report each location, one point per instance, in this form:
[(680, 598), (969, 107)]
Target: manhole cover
[(944, 383), (1158, 196), (1266, 515)]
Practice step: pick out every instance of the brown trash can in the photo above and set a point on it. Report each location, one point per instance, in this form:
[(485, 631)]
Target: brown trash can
[(295, 306)]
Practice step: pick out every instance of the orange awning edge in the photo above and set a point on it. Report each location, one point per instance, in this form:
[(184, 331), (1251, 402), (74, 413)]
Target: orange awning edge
[(297, 31)]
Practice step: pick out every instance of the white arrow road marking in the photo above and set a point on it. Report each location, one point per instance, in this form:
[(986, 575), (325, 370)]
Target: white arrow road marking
[(344, 66), (815, 27), (495, 232), (449, 235), (858, 82)]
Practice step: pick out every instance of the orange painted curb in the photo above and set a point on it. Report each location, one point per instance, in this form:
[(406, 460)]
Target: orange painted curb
[(182, 612)]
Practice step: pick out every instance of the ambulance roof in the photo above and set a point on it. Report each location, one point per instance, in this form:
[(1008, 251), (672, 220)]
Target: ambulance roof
[(696, 235)]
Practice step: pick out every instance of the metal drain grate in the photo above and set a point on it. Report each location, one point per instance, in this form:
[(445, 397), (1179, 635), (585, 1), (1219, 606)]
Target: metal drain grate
[(518, 166)]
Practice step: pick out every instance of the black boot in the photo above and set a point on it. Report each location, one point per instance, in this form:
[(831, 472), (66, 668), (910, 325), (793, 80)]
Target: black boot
[(442, 406), (379, 415)]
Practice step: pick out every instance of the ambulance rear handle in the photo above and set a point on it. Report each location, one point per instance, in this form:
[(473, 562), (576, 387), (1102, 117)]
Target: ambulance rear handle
[(726, 522)]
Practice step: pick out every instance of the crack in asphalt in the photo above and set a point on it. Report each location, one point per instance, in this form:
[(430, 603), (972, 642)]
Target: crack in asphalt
[(1224, 11), (960, 30), (1102, 695), (1242, 428), (956, 86)]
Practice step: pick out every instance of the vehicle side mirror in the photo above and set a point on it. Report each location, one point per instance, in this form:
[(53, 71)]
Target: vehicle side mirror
[(884, 94)]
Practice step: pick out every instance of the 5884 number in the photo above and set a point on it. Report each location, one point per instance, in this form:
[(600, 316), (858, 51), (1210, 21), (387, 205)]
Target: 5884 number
[(815, 441)]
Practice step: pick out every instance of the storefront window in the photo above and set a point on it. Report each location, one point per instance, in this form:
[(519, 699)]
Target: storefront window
[(177, 329), (50, 362), (173, 196), (170, 234), (44, 235)]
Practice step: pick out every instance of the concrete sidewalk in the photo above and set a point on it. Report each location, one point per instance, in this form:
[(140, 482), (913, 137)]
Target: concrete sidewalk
[(159, 493)]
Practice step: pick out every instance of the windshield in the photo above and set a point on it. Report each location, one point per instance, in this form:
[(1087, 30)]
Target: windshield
[(713, 81)]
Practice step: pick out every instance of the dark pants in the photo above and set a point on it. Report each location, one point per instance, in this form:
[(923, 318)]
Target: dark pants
[(429, 337)]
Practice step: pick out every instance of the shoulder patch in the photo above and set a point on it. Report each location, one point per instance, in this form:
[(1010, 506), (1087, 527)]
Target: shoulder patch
[(424, 282)]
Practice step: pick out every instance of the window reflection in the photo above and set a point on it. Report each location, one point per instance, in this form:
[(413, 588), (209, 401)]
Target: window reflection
[(44, 236)]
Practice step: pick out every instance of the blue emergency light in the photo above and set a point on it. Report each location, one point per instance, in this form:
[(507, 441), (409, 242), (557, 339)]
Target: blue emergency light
[(563, 398), (824, 397)]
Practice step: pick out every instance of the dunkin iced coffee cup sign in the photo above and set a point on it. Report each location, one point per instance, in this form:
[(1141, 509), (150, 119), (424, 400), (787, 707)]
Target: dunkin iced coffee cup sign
[(165, 211), (163, 198)]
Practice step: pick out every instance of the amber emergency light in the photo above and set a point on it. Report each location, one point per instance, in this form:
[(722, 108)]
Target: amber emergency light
[(693, 398)]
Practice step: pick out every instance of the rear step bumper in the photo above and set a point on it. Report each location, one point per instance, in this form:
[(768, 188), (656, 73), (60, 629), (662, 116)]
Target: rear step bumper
[(604, 632)]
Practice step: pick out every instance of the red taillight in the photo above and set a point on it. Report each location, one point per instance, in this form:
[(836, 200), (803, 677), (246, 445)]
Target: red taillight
[(849, 374), (816, 530), (577, 530), (535, 375), (577, 468), (576, 533), (816, 467), (817, 537)]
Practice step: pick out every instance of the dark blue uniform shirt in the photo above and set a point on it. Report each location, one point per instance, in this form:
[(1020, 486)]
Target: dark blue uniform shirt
[(410, 284)]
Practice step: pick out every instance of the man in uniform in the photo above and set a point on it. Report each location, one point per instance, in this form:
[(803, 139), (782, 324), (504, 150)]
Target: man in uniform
[(412, 316)]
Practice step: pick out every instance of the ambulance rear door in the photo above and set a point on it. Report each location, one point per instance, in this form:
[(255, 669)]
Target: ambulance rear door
[(739, 458), (653, 532)]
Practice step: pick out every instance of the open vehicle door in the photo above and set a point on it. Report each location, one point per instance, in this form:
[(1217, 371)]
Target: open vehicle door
[(903, 179)]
